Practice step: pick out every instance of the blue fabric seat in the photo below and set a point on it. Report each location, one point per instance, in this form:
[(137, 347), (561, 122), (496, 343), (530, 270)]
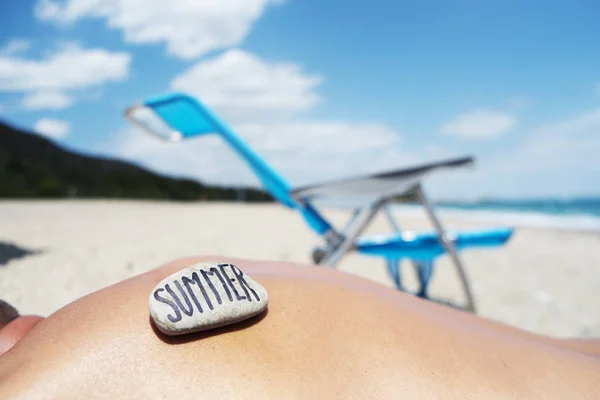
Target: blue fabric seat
[(427, 245), (423, 248)]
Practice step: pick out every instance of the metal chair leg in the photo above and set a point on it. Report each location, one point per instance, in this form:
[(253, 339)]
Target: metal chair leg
[(449, 247)]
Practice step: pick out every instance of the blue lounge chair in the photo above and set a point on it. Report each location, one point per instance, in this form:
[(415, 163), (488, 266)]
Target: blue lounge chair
[(178, 116)]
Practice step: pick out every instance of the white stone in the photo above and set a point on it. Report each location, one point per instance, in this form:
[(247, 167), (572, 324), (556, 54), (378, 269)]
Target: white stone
[(205, 296)]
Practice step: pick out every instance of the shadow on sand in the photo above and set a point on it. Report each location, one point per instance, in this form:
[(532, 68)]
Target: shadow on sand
[(10, 251)]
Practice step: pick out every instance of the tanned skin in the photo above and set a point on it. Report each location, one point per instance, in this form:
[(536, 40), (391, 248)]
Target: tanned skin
[(325, 334)]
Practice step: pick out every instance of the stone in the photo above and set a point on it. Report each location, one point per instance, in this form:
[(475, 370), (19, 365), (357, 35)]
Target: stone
[(205, 296)]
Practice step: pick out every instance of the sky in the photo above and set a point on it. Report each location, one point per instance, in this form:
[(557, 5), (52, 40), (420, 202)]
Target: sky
[(322, 89)]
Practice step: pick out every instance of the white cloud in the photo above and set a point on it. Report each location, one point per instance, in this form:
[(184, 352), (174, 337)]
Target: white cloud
[(573, 144), (265, 102), (189, 28), (318, 137), (15, 46), (479, 124), (52, 128), (47, 100), (243, 87), (558, 159), (302, 151), (69, 68), (48, 83)]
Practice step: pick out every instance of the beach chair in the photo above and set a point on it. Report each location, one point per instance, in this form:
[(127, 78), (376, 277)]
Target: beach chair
[(177, 117)]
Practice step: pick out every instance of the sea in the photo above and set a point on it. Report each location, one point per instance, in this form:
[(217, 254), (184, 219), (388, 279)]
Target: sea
[(582, 214), (574, 214)]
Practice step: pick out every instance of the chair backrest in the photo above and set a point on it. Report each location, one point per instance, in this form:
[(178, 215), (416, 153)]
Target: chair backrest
[(179, 116)]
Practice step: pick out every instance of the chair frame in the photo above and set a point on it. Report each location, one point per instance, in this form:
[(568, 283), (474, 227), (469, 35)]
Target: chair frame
[(337, 243)]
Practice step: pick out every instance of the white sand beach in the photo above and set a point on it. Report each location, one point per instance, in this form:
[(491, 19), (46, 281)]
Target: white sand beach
[(544, 280)]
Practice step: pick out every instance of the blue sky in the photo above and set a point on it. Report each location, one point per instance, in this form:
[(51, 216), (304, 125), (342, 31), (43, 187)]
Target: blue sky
[(323, 89)]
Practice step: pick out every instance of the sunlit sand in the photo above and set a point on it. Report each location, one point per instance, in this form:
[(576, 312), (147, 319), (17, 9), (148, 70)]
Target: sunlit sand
[(53, 252)]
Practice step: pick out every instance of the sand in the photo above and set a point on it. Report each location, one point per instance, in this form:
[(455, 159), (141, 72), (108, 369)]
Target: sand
[(53, 252)]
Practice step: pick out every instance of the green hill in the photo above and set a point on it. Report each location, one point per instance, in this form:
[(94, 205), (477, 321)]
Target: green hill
[(34, 167)]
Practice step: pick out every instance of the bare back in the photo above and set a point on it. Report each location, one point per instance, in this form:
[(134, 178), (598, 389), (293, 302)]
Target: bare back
[(325, 334)]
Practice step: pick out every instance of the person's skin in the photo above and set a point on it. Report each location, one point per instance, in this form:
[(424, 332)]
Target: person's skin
[(326, 334), (12, 332)]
